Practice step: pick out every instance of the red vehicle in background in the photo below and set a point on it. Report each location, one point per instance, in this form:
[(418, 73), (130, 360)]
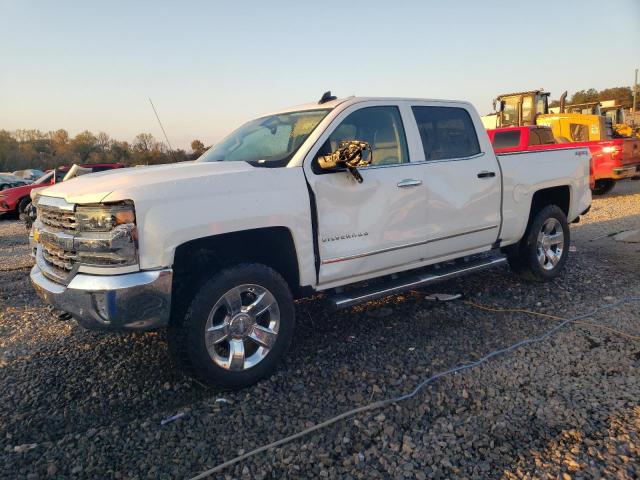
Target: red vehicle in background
[(609, 162), (15, 200)]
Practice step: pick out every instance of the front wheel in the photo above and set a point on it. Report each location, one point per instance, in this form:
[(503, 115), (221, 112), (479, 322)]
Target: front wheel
[(22, 206), (542, 252), (603, 186), (238, 327)]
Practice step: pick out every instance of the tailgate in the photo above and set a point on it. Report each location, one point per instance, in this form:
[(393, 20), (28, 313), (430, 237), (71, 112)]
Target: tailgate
[(630, 151)]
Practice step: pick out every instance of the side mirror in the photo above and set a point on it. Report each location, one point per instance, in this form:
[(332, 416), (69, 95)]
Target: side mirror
[(350, 154), (498, 105)]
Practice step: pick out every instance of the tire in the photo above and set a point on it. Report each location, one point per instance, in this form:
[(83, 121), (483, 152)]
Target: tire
[(245, 344), (603, 186), (542, 254), (21, 207)]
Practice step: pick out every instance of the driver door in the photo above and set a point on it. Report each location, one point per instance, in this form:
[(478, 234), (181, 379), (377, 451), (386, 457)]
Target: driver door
[(371, 228)]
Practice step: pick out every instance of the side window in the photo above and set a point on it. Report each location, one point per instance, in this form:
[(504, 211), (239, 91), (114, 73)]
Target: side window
[(381, 127), (446, 132), (579, 133), (510, 112), (508, 139), (527, 106)]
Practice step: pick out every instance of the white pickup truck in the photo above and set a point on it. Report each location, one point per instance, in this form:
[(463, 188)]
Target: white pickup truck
[(357, 198)]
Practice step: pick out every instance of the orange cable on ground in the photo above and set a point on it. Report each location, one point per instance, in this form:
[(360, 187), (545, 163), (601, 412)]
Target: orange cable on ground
[(553, 317)]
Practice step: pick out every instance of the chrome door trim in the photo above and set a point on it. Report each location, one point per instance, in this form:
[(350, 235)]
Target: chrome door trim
[(408, 245), (409, 182), (420, 162)]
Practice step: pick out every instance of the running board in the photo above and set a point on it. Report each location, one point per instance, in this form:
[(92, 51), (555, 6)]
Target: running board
[(407, 282)]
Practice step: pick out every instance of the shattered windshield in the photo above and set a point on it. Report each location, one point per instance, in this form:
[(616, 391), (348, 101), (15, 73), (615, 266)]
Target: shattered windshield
[(267, 141)]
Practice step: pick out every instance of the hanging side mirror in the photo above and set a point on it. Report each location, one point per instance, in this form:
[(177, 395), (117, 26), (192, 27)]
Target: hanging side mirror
[(350, 154)]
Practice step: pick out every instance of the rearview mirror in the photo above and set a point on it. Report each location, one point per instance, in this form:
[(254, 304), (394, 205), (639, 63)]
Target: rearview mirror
[(498, 105), (350, 154)]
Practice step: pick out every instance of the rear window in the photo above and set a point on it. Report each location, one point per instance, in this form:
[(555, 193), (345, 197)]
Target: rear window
[(541, 136), (508, 139), (446, 132)]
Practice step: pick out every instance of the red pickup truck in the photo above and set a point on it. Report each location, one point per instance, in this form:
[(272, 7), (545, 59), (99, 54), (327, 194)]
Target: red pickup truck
[(15, 200), (612, 160)]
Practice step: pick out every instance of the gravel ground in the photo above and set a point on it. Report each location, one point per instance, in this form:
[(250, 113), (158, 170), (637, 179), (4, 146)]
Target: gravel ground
[(81, 404)]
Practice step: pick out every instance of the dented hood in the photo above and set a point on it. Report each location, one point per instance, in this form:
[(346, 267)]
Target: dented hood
[(96, 187)]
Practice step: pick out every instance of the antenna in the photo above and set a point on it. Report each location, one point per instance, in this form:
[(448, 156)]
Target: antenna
[(162, 128)]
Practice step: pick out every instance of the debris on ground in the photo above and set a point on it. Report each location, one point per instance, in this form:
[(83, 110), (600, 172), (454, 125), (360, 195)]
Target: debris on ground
[(629, 236), (442, 297), (172, 418)]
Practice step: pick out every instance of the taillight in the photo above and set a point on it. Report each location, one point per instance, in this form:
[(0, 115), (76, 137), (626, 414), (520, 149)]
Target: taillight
[(614, 151)]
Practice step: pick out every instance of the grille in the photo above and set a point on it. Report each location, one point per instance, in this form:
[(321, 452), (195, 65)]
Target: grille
[(57, 218), (58, 258)]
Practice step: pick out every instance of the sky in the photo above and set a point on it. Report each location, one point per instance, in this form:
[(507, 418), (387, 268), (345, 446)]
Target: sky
[(210, 66)]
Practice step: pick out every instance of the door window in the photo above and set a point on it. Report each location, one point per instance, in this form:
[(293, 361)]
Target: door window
[(381, 127), (446, 132)]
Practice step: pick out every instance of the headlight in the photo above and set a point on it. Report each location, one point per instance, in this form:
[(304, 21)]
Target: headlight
[(107, 235), (103, 218)]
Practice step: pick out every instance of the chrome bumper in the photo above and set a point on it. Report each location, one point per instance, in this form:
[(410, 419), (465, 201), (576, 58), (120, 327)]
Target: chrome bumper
[(133, 301)]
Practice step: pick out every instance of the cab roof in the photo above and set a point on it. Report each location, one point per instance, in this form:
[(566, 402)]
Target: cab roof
[(353, 99)]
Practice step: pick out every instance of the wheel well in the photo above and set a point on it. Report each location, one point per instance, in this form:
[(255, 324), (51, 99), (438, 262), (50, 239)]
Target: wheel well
[(195, 261), (560, 196)]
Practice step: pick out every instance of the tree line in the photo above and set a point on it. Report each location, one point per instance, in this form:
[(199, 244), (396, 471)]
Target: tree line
[(45, 150), (623, 96)]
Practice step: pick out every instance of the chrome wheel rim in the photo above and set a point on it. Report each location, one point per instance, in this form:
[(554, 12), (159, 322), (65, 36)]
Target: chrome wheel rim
[(550, 244), (242, 327)]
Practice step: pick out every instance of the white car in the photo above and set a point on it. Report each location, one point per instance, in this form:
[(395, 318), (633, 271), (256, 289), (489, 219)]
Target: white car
[(322, 197)]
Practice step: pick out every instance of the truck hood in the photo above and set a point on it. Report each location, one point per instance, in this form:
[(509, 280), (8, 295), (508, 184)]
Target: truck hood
[(96, 187)]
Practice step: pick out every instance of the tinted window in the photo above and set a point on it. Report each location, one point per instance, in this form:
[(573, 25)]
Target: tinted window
[(381, 127), (446, 132), (508, 139), (540, 136)]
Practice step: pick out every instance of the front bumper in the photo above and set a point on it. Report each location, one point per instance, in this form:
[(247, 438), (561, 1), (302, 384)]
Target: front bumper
[(134, 301)]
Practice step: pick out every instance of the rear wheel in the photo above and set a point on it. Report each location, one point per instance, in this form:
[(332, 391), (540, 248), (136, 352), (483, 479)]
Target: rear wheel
[(238, 327), (603, 186), (542, 253)]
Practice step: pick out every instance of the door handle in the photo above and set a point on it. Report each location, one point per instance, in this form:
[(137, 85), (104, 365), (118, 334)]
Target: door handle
[(409, 182), (486, 174)]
